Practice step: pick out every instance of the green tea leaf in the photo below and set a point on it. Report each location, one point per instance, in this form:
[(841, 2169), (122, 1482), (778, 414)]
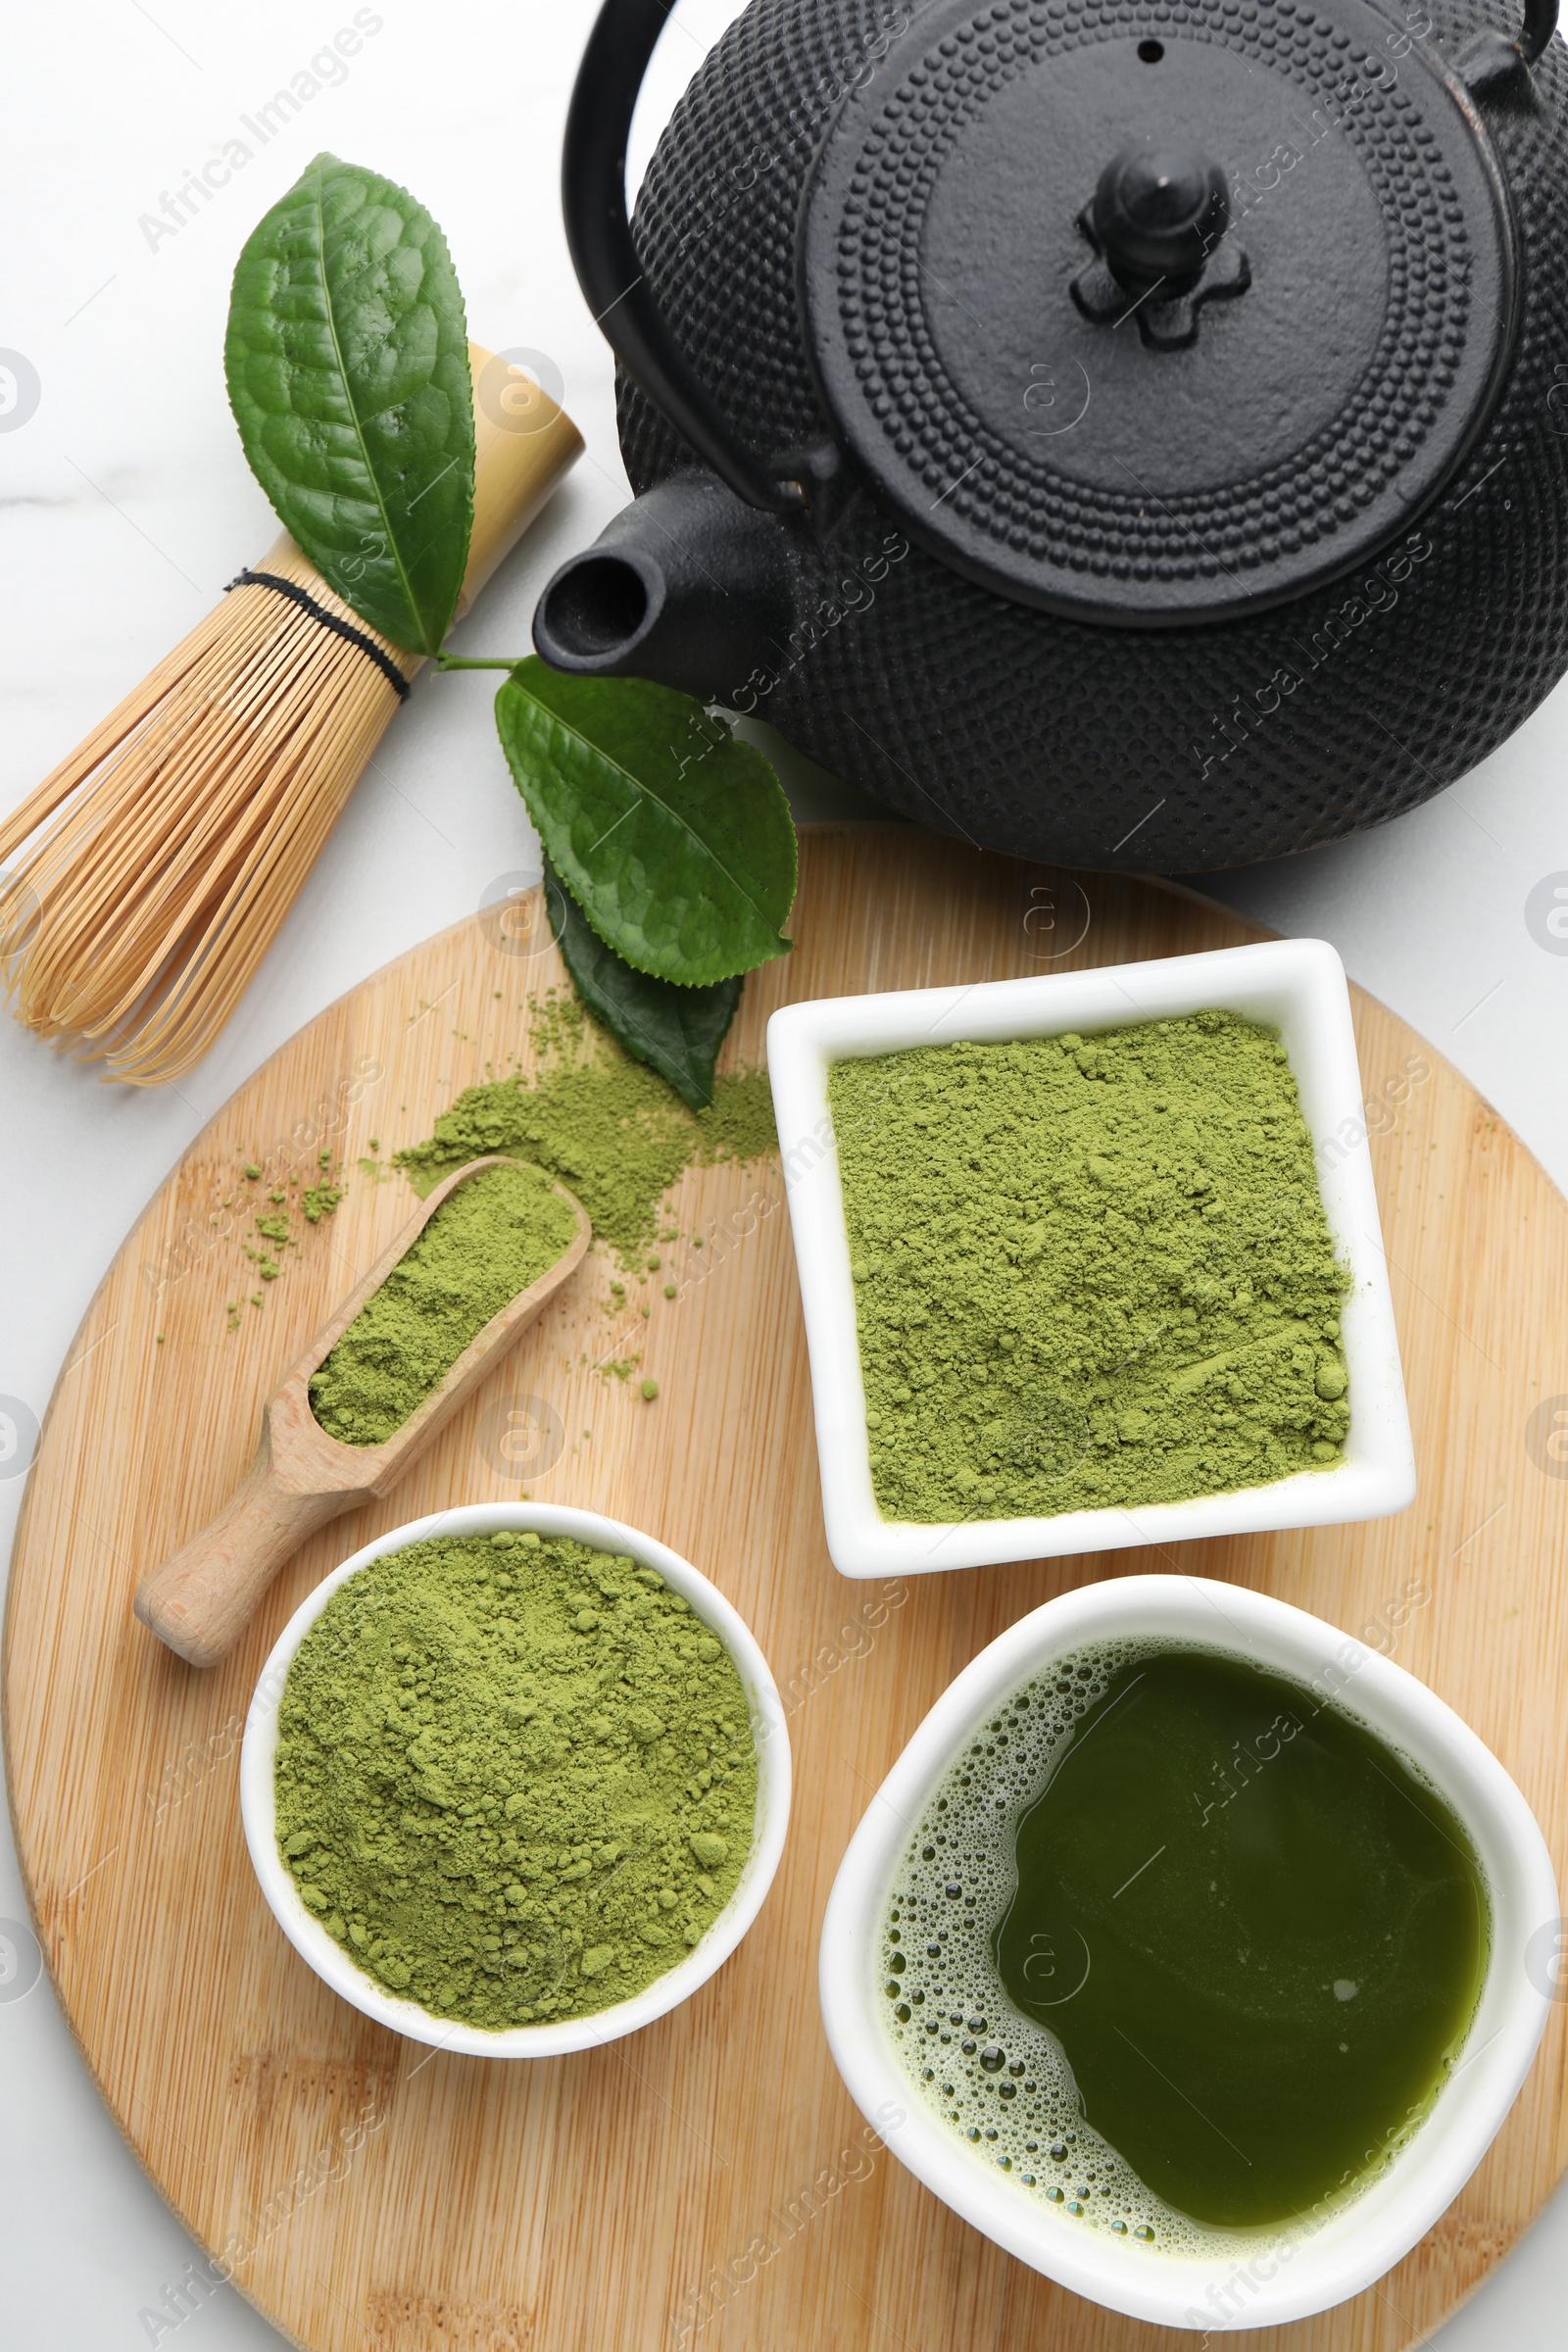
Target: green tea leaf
[(677, 1031), (346, 359), (675, 840)]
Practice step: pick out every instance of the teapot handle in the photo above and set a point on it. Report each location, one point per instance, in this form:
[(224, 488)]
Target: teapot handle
[(1491, 65), (609, 270), (1540, 23)]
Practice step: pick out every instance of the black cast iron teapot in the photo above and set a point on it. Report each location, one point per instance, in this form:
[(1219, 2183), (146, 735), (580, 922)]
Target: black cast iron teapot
[(1132, 432)]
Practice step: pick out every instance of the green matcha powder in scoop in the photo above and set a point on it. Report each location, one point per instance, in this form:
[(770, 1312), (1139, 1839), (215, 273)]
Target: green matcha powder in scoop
[(494, 1236)]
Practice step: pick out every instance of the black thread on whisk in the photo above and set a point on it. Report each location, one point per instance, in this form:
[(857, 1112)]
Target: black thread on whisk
[(329, 621)]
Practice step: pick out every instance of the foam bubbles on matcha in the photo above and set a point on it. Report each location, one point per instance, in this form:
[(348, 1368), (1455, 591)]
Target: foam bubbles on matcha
[(990, 2073)]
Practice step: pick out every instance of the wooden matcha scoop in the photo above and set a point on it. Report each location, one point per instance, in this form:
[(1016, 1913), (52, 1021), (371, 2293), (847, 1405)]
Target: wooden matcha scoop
[(202, 1598)]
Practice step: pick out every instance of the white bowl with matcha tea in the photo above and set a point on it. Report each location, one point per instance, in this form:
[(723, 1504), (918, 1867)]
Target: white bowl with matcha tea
[(1089, 1259), (515, 1780), (1192, 1952)]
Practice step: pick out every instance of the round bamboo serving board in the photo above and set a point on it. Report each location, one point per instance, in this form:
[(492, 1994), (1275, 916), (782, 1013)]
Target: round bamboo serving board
[(706, 2181)]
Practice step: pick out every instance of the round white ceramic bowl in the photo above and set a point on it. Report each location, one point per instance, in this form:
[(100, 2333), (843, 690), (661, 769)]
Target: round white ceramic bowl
[(1267, 2277), (332, 1964)]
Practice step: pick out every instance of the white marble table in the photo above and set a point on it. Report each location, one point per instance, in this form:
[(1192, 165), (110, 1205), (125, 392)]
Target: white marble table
[(124, 505)]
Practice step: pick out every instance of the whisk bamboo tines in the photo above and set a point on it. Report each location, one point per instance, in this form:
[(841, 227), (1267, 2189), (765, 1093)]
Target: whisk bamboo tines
[(160, 857)]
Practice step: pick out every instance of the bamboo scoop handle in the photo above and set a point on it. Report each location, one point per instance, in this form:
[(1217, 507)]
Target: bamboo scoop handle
[(205, 1595), (202, 1598)]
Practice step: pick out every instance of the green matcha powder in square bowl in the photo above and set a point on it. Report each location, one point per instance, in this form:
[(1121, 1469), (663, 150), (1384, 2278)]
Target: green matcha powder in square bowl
[(1088, 1261), (515, 1780)]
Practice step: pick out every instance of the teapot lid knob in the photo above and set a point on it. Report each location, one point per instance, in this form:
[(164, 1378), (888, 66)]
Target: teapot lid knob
[(1157, 211), (1093, 371)]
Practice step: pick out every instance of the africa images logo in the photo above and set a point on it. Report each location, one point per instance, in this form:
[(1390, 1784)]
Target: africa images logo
[(19, 390), (1546, 914), (179, 205)]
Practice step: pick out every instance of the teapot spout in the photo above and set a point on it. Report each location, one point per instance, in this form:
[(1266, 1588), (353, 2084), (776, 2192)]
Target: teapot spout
[(688, 586)]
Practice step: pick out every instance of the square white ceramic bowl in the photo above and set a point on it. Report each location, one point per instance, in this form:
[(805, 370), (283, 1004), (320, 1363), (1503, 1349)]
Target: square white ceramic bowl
[(331, 1963), (1257, 2279), (1297, 986)]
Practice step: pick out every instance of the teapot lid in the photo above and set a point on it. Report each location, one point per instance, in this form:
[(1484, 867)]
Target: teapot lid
[(1144, 315)]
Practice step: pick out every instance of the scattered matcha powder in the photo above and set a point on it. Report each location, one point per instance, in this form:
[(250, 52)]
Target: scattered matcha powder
[(493, 1237), (318, 1201), (321, 1198), (516, 1778), (1089, 1271), (606, 1126)]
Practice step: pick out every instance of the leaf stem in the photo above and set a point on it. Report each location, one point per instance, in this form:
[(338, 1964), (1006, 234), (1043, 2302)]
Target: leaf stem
[(463, 662)]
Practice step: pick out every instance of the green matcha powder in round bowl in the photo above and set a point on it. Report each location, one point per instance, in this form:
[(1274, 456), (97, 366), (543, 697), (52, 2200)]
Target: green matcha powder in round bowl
[(515, 1778)]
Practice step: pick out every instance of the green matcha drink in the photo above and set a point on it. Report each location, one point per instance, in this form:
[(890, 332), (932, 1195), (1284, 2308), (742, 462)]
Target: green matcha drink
[(1182, 1946), (1089, 1271), (516, 1777)]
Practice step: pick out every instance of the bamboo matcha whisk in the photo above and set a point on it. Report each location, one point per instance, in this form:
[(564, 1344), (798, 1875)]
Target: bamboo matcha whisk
[(163, 855)]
